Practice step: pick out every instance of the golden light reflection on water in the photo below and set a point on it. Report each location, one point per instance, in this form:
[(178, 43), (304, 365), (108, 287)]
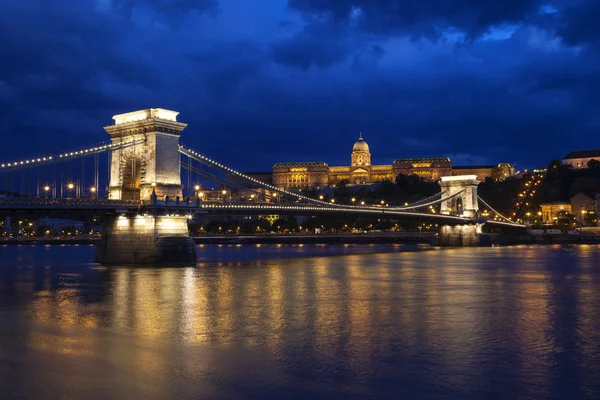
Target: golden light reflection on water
[(458, 308)]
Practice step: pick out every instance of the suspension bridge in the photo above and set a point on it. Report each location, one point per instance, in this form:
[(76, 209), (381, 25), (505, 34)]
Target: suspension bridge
[(135, 182)]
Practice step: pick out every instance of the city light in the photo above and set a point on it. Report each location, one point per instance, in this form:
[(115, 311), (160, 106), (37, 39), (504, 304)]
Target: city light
[(197, 187), (93, 189), (46, 188), (70, 186)]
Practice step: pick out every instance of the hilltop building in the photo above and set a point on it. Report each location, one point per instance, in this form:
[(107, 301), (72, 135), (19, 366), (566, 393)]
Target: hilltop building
[(361, 171), (580, 158)]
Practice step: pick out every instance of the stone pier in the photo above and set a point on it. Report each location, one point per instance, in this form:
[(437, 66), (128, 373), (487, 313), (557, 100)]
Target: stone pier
[(149, 240), (462, 236)]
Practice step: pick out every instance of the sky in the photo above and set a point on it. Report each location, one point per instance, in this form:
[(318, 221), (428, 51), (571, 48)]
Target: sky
[(269, 81)]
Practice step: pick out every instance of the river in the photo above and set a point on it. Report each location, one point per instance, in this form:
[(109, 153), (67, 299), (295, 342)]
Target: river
[(303, 322)]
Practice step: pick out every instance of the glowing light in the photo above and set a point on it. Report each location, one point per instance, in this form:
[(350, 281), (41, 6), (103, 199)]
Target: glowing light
[(70, 186), (93, 189), (46, 188), (197, 187)]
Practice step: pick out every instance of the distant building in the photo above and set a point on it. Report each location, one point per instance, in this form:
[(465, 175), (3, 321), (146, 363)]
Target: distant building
[(579, 159), (430, 169), (319, 175), (497, 172), (583, 206), (550, 211)]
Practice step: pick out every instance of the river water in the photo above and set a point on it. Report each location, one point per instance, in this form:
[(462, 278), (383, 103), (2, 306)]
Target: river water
[(303, 322)]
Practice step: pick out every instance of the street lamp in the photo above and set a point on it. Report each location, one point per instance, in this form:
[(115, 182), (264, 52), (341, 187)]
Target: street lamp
[(321, 197), (353, 199), (93, 190), (46, 190), (251, 197)]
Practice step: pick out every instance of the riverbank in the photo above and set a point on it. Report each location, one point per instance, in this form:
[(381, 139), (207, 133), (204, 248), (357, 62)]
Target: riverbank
[(48, 241), (328, 238), (323, 238)]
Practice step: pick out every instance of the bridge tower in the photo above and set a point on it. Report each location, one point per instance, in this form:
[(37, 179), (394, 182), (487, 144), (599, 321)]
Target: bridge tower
[(152, 163), (465, 204)]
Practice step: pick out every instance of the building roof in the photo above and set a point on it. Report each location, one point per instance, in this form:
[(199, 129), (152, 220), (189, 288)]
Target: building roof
[(360, 145), (473, 166), (302, 164), (424, 159), (583, 154), (591, 196)]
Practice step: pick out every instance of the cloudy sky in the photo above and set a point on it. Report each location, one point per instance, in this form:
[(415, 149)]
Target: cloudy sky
[(268, 81)]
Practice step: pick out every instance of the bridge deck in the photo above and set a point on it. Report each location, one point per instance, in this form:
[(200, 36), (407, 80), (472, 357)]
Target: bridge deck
[(8, 206)]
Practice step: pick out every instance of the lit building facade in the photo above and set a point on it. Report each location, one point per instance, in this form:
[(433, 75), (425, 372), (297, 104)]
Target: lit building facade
[(550, 211), (361, 171), (579, 159)]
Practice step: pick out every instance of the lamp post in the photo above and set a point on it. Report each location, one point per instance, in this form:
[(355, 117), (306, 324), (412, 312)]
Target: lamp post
[(93, 191), (224, 193), (46, 190), (70, 186)]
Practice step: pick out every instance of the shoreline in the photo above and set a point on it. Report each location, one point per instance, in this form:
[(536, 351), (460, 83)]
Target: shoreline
[(327, 238)]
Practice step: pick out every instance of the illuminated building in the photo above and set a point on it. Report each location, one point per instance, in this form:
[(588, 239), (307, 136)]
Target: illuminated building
[(430, 169), (550, 211), (579, 159), (498, 172), (361, 171)]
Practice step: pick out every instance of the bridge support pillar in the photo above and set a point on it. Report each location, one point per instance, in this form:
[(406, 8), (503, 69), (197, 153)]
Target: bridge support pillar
[(149, 240), (462, 236)]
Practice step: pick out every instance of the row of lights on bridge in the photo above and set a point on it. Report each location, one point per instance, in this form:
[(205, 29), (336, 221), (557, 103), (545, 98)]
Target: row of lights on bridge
[(70, 154), (69, 186)]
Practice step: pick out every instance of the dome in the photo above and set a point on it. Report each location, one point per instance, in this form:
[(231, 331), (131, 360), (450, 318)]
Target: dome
[(360, 145)]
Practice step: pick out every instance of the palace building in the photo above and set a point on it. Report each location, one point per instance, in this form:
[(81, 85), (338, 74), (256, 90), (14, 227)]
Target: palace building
[(316, 175)]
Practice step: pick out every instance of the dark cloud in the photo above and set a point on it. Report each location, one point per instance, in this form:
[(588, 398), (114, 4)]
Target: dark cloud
[(578, 23), (421, 18), (174, 10), (304, 51), (302, 90)]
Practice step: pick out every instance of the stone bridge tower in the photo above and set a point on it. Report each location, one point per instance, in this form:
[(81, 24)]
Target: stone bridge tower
[(152, 163), (465, 204)]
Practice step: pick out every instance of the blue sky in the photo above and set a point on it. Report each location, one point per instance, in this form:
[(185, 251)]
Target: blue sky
[(271, 81)]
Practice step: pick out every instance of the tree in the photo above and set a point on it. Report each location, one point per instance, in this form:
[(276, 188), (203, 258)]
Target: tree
[(593, 164), (565, 220)]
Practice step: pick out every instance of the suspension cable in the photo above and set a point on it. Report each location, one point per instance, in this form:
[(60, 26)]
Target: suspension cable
[(494, 211), (34, 162)]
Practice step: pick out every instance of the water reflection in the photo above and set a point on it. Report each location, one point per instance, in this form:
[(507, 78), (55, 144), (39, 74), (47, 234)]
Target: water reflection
[(515, 322)]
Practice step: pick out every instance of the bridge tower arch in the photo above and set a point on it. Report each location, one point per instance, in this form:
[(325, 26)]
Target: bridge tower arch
[(151, 163), (464, 204)]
